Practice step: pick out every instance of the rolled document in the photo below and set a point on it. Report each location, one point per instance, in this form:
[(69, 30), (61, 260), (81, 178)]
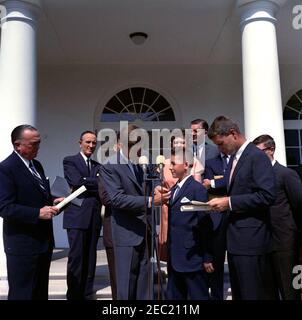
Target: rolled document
[(195, 206), (71, 197)]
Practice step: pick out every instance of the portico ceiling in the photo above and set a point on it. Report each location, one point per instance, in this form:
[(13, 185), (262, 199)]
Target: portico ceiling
[(180, 32)]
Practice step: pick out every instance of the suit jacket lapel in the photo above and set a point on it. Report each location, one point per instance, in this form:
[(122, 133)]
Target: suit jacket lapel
[(28, 174), (239, 163), (126, 166), (182, 189)]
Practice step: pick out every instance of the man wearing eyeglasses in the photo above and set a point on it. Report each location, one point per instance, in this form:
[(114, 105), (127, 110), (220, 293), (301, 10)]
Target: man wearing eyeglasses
[(27, 209), (285, 215)]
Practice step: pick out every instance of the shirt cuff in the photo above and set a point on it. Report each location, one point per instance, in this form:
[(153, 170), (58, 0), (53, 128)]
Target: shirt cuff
[(213, 183), (150, 202)]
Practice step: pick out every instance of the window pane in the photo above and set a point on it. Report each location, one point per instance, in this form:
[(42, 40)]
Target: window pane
[(293, 156), (291, 138)]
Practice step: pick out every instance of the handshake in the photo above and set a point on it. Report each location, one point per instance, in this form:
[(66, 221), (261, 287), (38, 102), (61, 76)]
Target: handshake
[(161, 195)]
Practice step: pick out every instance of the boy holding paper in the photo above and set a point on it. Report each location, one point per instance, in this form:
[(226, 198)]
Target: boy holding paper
[(188, 235)]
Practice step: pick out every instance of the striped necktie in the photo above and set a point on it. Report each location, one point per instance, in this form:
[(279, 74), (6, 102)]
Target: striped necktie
[(36, 175)]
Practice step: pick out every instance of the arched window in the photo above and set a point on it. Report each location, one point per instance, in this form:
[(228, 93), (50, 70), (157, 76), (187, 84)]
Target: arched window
[(137, 103), (292, 116)]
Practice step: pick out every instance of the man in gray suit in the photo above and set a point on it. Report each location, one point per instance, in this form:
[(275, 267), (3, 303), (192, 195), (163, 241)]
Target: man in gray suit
[(210, 151), (130, 203), (285, 214)]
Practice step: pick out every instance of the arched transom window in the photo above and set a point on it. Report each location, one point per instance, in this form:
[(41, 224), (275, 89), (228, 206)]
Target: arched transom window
[(137, 103)]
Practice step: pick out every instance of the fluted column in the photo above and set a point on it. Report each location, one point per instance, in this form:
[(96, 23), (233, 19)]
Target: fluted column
[(263, 112), (18, 68)]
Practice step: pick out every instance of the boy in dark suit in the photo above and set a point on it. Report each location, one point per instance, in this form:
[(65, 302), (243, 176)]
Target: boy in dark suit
[(188, 235)]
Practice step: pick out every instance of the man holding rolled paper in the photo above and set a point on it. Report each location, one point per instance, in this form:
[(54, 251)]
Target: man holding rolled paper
[(83, 223), (27, 210)]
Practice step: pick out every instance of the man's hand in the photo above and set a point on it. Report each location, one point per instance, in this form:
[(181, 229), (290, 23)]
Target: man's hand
[(208, 266), (57, 200), (161, 195), (219, 204), (206, 183), (47, 212)]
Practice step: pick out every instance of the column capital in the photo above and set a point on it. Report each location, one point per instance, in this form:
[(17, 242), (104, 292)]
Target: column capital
[(255, 10), (26, 10)]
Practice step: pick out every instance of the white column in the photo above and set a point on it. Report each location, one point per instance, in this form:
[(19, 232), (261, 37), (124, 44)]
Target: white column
[(261, 81), (18, 81)]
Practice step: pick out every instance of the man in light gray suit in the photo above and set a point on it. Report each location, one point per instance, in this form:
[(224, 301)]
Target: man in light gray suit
[(210, 150)]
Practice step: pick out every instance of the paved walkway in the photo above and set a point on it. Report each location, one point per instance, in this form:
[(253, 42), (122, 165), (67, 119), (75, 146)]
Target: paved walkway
[(57, 282)]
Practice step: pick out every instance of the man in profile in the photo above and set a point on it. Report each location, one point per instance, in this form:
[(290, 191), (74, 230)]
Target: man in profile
[(285, 217), (27, 210), (251, 191)]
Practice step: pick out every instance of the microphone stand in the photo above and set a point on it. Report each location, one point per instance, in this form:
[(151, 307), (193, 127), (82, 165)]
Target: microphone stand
[(154, 257)]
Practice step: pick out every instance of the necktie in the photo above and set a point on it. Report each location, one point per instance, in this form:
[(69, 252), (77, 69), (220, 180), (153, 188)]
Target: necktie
[(195, 150), (88, 166), (233, 168), (175, 192), (138, 173), (36, 175), (224, 162)]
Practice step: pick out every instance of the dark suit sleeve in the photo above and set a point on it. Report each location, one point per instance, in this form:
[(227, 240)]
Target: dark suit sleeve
[(75, 179), (263, 192), (205, 227), (293, 189), (9, 208), (117, 193), (103, 193)]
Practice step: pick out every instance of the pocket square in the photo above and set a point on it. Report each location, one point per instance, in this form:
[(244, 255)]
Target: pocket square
[(185, 200)]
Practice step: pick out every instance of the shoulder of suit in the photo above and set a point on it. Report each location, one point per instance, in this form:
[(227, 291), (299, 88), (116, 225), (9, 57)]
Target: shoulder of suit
[(71, 158)]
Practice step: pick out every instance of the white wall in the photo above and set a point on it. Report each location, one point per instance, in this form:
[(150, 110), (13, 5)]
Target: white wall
[(69, 97)]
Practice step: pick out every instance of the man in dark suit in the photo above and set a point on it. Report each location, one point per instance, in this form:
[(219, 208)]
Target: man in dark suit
[(188, 234), (123, 181), (285, 214), (83, 223), (209, 151), (251, 191), (27, 212), (216, 180)]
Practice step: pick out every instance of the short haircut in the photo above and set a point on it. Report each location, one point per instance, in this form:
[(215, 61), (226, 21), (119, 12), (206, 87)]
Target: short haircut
[(184, 154), (267, 140), (85, 132), (204, 124), (125, 134), (222, 126), (17, 133)]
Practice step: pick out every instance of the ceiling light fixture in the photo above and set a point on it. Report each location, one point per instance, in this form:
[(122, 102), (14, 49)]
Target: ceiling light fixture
[(138, 38)]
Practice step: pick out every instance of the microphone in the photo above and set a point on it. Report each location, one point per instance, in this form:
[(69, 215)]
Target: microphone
[(160, 162), (143, 161)]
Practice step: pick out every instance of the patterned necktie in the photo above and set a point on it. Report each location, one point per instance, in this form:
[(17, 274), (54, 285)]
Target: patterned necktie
[(88, 166), (175, 192), (36, 175)]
